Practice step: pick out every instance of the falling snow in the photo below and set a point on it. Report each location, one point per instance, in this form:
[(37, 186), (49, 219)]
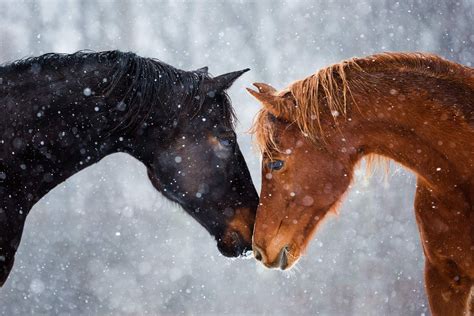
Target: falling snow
[(106, 243)]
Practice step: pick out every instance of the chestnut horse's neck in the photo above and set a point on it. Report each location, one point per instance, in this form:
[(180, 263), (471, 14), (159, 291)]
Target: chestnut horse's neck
[(423, 122)]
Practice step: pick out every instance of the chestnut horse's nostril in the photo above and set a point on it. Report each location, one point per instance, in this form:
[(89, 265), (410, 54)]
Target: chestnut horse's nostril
[(257, 253), (283, 258)]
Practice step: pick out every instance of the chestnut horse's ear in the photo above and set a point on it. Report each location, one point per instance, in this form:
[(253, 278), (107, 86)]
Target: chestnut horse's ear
[(277, 105), (265, 88)]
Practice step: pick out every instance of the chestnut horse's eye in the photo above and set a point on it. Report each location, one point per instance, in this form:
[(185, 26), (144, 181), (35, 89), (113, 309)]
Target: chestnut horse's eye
[(275, 164)]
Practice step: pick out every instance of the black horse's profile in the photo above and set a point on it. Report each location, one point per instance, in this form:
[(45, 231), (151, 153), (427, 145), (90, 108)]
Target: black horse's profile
[(61, 113)]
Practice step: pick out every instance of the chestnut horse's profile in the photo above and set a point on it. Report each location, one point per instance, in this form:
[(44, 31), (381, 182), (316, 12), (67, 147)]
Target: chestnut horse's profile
[(417, 109)]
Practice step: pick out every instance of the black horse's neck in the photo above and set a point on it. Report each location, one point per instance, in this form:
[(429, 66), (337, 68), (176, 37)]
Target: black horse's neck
[(63, 113)]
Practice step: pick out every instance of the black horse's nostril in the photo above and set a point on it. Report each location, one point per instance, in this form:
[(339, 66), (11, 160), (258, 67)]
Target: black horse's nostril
[(233, 245)]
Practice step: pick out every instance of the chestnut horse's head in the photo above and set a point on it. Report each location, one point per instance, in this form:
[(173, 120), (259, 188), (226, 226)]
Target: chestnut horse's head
[(302, 178)]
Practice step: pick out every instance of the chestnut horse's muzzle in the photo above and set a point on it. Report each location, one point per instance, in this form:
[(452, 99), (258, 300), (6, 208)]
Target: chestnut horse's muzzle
[(280, 262)]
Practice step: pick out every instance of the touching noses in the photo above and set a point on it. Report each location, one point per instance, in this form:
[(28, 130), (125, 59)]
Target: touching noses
[(280, 261)]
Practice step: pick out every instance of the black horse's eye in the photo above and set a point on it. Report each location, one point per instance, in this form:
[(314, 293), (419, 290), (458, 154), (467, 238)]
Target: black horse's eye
[(227, 140), (275, 164)]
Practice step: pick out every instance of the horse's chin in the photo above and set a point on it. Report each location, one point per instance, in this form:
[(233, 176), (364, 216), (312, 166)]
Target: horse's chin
[(287, 267)]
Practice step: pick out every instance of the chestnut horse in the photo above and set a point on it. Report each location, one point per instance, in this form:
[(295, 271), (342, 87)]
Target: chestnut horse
[(414, 108)]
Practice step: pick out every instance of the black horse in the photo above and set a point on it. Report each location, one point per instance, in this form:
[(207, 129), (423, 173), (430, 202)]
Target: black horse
[(61, 113)]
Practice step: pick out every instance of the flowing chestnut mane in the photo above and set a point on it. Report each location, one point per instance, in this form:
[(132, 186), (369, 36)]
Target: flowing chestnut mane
[(330, 89)]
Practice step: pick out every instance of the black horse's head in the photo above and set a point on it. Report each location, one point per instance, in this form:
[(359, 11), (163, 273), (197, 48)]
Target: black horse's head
[(193, 158)]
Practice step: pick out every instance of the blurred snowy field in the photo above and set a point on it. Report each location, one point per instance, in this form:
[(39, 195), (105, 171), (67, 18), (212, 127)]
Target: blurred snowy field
[(106, 243)]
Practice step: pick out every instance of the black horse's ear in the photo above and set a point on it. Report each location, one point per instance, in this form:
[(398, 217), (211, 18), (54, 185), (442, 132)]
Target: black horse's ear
[(203, 70), (223, 82)]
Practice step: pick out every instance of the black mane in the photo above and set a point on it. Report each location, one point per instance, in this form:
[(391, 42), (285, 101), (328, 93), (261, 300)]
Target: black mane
[(151, 85)]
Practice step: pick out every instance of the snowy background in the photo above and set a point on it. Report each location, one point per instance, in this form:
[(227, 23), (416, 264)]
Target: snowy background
[(106, 243)]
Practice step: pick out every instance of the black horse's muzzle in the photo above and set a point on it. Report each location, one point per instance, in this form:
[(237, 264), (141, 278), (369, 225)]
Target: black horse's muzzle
[(232, 244)]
